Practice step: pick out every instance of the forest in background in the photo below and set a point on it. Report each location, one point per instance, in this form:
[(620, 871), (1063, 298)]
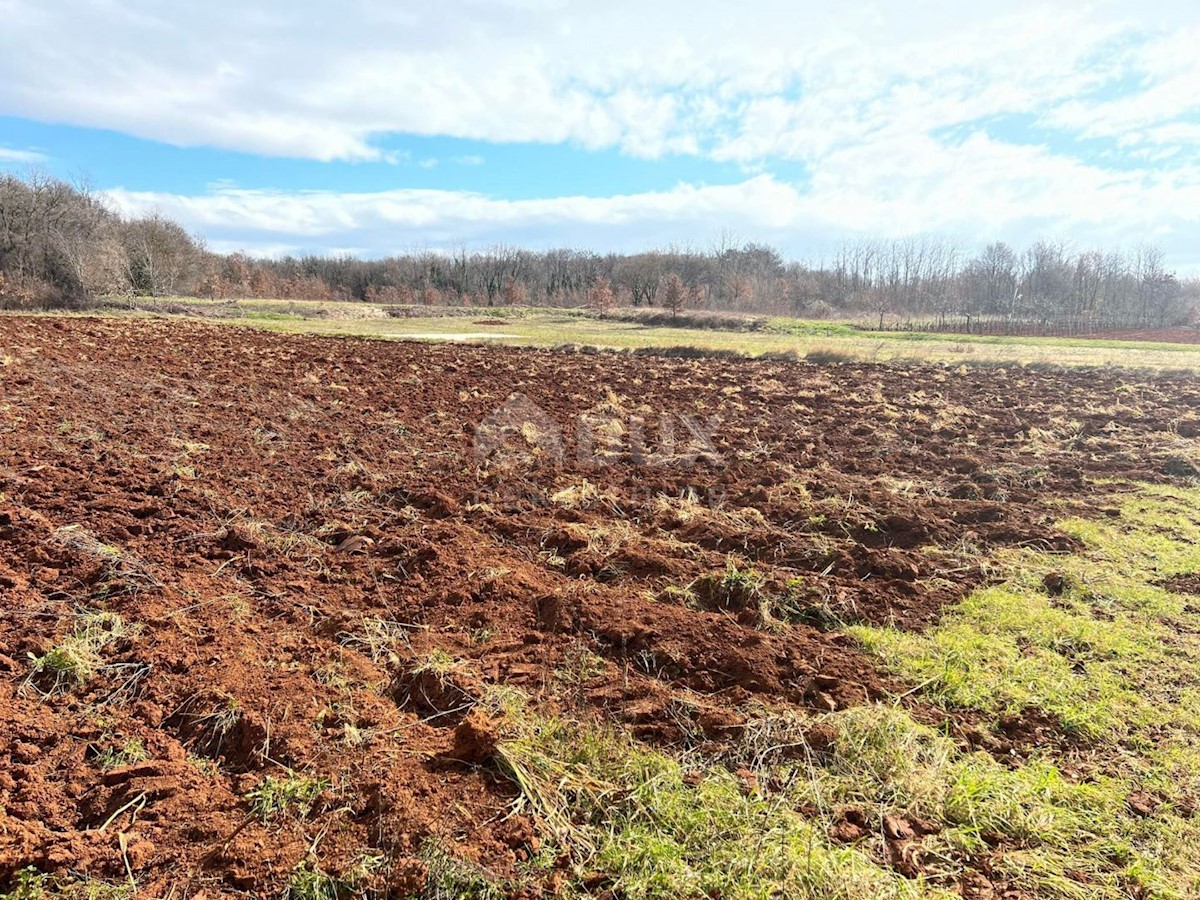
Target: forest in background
[(62, 246)]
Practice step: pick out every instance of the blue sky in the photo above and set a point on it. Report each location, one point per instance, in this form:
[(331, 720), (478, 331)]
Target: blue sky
[(372, 127)]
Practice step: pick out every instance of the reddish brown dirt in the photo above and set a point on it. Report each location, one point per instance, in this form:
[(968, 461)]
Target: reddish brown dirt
[(1184, 584), (249, 501), (1183, 335)]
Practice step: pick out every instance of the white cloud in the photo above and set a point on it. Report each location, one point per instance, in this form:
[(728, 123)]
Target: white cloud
[(768, 78), (978, 119), (11, 156), (995, 190), (1165, 74), (409, 216)]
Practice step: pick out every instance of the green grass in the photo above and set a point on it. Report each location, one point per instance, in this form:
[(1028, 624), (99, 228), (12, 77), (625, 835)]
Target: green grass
[(437, 662), (310, 883), (451, 878), (30, 884), (293, 795), (733, 588), (132, 751), (634, 815), (550, 330), (659, 827), (75, 660), (1106, 656), (1113, 655)]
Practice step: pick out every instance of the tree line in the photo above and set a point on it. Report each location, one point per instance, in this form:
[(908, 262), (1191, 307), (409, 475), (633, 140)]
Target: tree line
[(60, 245)]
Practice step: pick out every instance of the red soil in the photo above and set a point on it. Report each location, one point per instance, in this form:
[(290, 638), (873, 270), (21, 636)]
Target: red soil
[(263, 495), (1183, 335)]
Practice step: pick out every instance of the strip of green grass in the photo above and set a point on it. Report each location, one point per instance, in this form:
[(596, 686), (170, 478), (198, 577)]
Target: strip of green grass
[(650, 830), (1113, 655)]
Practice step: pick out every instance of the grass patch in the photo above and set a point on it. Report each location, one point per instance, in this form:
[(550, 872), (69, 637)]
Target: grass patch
[(584, 495), (655, 831), (452, 878), (815, 340), (383, 640), (1107, 654), (75, 660), (735, 588), (1093, 640), (132, 751), (30, 884), (439, 663), (661, 827), (310, 882), (293, 795), (804, 603)]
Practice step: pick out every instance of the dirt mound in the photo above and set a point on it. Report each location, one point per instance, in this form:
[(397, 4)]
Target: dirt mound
[(230, 556), (1184, 584)]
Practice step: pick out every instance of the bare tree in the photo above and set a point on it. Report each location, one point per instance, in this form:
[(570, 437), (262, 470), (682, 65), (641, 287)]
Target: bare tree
[(675, 295), (60, 244), (162, 259), (601, 297), (642, 275), (514, 293)]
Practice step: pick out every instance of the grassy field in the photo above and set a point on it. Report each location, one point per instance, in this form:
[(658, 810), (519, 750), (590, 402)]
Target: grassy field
[(815, 339)]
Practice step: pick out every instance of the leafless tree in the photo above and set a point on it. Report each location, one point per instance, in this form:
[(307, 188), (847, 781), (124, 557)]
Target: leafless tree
[(675, 295), (162, 260), (60, 244), (600, 296)]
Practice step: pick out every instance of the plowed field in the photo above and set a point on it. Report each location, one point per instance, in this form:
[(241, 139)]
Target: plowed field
[(233, 562)]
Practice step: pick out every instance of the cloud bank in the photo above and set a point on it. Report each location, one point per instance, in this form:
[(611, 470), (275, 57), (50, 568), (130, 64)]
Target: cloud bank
[(980, 120)]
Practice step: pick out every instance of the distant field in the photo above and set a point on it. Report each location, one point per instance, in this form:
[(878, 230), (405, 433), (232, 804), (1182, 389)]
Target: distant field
[(549, 327)]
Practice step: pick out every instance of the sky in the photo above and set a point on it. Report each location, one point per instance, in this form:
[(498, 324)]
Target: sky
[(380, 126)]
